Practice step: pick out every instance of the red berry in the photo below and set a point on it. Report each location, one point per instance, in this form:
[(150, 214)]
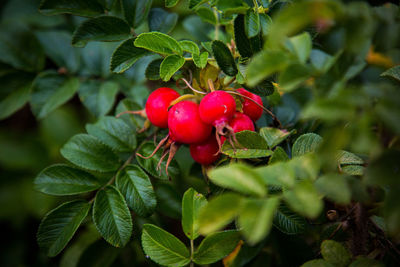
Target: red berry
[(157, 106), (240, 122), (249, 107), (185, 125), (217, 108), (206, 152)]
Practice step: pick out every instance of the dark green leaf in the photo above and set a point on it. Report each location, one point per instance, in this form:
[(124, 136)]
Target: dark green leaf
[(317, 263), (158, 42), (98, 254), (304, 199), (224, 58), (57, 46), (135, 185), (61, 180), (98, 97), (252, 23), (171, 3), (14, 41), (216, 246), (126, 55), (240, 178), (96, 58), (134, 122), (150, 165), (335, 253), (76, 7), (135, 11), (219, 211), (161, 20), (192, 202), (265, 64), (88, 152), (195, 3), (170, 65), (393, 73), (256, 218), (112, 217), (164, 248), (362, 261), (293, 76), (114, 133), (279, 155), (230, 7), (15, 92), (169, 201), (288, 222), (246, 47), (153, 70), (60, 224), (49, 91), (104, 28), (266, 23), (274, 136), (306, 143)]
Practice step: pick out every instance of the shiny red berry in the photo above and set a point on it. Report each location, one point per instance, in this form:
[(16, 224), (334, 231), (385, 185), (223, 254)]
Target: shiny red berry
[(205, 152), (249, 107), (157, 106)]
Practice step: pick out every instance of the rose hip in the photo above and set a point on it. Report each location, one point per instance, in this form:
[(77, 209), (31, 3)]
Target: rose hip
[(205, 152), (249, 107), (157, 106)]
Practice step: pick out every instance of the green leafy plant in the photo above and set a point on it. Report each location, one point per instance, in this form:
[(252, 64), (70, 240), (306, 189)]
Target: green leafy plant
[(252, 133)]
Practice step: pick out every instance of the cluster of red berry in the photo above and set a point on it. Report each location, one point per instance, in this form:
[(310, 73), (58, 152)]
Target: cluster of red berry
[(192, 124)]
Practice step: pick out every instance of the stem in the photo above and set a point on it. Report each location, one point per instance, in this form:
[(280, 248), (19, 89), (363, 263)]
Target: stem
[(191, 252), (231, 80), (210, 85), (216, 25), (181, 98), (191, 88)]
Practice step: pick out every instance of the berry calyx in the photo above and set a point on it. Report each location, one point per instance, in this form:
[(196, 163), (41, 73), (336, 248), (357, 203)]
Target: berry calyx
[(157, 106), (185, 124), (240, 122), (217, 108), (249, 107), (205, 152)]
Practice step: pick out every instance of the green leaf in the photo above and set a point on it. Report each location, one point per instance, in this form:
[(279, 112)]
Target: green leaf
[(190, 46), (158, 42), (164, 248), (161, 20), (335, 187), (59, 225), (195, 3), (230, 7), (240, 178), (301, 46), (348, 158), (206, 14), (321, 61), (103, 28), (278, 174), (114, 133), (96, 60), (362, 261), (279, 155), (393, 73), (265, 64), (169, 201), (153, 69), (251, 23), (335, 253), (256, 217), (150, 165), (57, 46), (61, 180), (246, 47), (289, 222), (98, 97), (14, 43), (88, 152), (251, 145), (304, 199), (171, 3), (306, 143), (139, 194), (170, 65), (125, 55), (274, 136), (200, 60), (317, 263), (111, 216), (216, 247), (293, 76), (134, 122), (98, 254), (219, 211), (224, 58), (192, 202), (135, 11), (265, 22), (15, 92), (49, 91), (87, 8)]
